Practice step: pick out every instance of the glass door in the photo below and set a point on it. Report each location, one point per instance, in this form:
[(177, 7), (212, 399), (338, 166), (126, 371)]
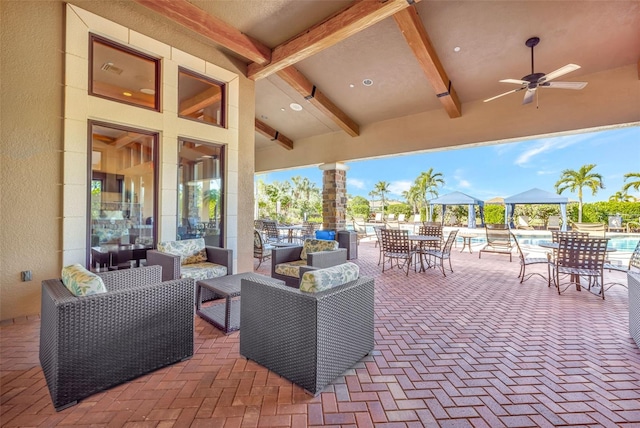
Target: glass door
[(122, 200), (201, 192)]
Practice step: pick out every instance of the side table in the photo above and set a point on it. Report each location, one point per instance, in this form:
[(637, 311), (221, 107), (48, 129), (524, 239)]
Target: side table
[(466, 241), (226, 315)]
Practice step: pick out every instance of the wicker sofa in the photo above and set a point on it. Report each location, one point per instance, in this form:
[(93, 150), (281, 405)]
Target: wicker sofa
[(191, 258), (307, 338), (286, 262), (91, 343)]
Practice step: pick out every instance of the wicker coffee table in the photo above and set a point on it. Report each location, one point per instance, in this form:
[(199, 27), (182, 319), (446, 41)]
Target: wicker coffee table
[(226, 315)]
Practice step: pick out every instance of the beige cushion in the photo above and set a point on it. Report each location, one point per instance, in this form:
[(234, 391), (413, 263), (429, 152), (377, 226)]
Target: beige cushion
[(317, 245), (324, 279), (190, 250), (81, 282), (290, 268)]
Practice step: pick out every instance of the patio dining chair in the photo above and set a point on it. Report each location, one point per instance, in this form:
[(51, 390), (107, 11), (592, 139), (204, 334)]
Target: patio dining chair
[(432, 230), (272, 234), (634, 264), (528, 261), (378, 241), (396, 246), (443, 254), (261, 250), (579, 258)]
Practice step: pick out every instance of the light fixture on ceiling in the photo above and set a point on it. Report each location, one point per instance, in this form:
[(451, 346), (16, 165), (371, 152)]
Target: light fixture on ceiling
[(127, 94), (295, 107), (367, 82), (282, 109), (456, 49), (352, 85), (262, 116), (148, 91)]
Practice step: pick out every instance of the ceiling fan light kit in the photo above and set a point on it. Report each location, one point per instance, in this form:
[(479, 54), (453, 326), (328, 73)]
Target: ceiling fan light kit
[(531, 82)]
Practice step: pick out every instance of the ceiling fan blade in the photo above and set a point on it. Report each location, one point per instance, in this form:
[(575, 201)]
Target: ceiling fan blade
[(528, 96), (502, 95), (516, 81), (565, 85), (559, 72)]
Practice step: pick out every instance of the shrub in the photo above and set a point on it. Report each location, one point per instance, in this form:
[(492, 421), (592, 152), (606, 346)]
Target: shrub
[(494, 214)]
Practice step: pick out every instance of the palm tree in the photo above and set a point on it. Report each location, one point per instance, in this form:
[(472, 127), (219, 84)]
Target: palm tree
[(621, 196), (381, 188), (632, 184), (413, 198), (427, 184), (576, 180)]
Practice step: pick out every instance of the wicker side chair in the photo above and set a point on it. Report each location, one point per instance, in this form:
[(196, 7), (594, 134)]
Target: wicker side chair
[(307, 338), (92, 343)]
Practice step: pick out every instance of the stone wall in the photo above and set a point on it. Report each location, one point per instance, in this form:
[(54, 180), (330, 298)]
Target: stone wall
[(334, 199)]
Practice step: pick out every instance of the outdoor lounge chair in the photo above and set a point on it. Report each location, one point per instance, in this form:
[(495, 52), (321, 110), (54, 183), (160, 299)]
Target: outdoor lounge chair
[(523, 223), (94, 342), (615, 224), (595, 230), (498, 240), (553, 223)]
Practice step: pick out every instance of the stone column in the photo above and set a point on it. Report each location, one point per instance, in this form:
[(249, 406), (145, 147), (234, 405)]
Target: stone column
[(334, 195)]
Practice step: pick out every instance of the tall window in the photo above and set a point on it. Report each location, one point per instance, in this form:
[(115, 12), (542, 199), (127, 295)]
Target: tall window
[(122, 74), (200, 192), (123, 194), (201, 98)]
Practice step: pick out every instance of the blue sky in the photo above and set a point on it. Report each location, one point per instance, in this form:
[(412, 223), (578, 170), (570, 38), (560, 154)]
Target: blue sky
[(498, 170)]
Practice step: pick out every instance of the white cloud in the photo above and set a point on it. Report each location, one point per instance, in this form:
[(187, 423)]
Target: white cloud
[(354, 182), (397, 187), (462, 183), (549, 145)]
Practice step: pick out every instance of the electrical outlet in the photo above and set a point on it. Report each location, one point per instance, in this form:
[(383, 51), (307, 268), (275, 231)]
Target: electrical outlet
[(26, 275)]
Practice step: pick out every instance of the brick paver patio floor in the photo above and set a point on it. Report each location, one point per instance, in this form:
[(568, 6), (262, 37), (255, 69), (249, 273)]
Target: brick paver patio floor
[(476, 348)]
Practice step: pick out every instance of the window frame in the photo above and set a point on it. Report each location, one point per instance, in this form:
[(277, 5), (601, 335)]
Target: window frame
[(126, 49), (223, 99)]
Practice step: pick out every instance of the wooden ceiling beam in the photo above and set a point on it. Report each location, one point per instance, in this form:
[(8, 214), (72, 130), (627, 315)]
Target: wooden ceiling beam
[(200, 101), (312, 94), (196, 19), (273, 135), (416, 36), (354, 18)]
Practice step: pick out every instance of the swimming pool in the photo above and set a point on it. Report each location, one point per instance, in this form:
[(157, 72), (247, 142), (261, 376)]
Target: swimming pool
[(620, 242)]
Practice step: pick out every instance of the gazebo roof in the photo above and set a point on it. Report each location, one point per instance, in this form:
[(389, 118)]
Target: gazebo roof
[(456, 198), (536, 196)]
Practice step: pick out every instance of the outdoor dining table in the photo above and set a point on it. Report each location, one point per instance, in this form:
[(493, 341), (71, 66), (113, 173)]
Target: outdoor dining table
[(556, 245), (421, 239), (290, 229)]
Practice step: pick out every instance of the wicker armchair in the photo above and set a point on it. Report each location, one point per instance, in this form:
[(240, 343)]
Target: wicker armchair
[(89, 344), (174, 257), (287, 262), (307, 338)]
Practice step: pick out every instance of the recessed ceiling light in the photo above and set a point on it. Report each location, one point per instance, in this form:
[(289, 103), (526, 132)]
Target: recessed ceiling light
[(127, 94), (295, 107), (282, 109), (148, 91), (456, 49), (352, 85), (367, 82)]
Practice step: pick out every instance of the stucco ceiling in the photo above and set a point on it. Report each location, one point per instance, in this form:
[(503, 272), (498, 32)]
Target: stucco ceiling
[(491, 35)]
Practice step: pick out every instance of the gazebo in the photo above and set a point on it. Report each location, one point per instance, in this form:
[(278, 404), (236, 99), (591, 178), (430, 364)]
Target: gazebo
[(459, 198), (535, 196)]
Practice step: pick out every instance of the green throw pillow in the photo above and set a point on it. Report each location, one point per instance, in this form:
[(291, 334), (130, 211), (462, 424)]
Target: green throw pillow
[(81, 282)]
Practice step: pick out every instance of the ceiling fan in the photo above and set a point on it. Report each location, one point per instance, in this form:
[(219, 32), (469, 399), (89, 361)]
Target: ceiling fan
[(533, 81)]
